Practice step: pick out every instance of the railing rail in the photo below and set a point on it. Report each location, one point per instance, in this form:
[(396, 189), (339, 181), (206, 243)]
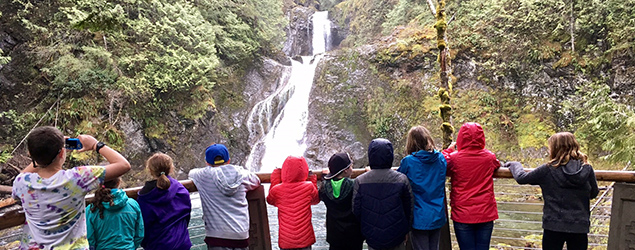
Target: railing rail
[(16, 217)]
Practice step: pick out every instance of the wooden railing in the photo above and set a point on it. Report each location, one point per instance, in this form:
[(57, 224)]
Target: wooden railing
[(16, 217)]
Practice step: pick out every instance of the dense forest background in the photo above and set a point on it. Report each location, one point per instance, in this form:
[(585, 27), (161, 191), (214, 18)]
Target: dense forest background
[(174, 76)]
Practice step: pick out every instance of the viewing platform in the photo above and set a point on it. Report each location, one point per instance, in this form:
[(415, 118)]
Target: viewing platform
[(519, 207)]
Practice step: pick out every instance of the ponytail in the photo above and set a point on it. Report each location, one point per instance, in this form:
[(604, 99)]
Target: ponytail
[(103, 194), (160, 166)]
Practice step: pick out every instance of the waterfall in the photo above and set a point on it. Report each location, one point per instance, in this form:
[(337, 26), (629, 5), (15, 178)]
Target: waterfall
[(275, 138)]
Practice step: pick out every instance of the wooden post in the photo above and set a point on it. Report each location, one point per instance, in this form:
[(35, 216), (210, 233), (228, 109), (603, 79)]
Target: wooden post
[(622, 229)]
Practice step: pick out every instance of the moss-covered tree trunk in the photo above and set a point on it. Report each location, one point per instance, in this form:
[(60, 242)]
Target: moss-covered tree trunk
[(445, 108), (445, 90)]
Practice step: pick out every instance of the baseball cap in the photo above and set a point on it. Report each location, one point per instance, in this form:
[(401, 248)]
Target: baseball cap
[(216, 150)]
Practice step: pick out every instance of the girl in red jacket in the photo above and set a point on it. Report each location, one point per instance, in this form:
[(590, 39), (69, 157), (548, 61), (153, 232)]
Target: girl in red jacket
[(471, 169), (293, 195)]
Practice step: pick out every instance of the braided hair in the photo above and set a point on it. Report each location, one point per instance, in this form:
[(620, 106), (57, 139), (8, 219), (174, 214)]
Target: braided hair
[(103, 194)]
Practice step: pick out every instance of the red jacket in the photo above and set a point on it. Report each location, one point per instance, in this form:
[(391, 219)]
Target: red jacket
[(471, 171), (293, 196)]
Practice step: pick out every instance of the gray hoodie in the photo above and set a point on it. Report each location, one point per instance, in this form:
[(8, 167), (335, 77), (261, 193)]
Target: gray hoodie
[(566, 191), (223, 198)]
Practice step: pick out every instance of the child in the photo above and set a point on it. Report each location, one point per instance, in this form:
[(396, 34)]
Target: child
[(223, 189), (113, 220), (342, 228), (293, 195), (165, 205), (382, 200), (471, 170), (568, 183), (53, 198), (425, 168)]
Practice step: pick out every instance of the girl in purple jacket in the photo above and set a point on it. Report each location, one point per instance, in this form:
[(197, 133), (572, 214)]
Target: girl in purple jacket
[(165, 205)]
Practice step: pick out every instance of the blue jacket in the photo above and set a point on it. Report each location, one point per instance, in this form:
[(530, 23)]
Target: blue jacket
[(121, 227), (426, 173), (382, 199)]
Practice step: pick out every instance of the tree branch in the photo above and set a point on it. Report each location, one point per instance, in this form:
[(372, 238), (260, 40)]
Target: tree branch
[(432, 8)]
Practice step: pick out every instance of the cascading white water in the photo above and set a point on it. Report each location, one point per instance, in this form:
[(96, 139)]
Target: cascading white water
[(285, 135)]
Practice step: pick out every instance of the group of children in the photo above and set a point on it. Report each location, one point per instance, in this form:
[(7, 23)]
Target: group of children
[(383, 207)]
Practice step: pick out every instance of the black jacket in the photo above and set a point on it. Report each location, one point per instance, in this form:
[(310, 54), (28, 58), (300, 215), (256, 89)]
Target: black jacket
[(566, 191), (341, 224), (382, 199)]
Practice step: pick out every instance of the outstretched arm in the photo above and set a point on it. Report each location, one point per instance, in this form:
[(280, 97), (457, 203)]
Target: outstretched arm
[(594, 184), (534, 177)]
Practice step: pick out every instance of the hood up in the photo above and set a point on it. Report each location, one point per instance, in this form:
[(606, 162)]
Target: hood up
[(426, 156), (227, 178), (573, 174), (344, 190), (294, 169), (380, 154), (119, 199), (471, 135)]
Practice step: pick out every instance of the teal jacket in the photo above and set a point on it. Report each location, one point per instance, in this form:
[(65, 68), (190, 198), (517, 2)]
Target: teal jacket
[(121, 227)]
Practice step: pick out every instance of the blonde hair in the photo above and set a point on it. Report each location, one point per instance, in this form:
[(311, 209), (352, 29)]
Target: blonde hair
[(160, 166), (419, 138), (564, 147)]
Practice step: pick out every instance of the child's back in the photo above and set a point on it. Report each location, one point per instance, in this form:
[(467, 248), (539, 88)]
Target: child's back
[(116, 222), (223, 188), (382, 200), (293, 196), (166, 206), (471, 170), (342, 228)]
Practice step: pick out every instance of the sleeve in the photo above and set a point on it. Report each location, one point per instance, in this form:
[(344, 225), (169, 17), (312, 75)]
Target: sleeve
[(315, 196), (89, 178), (15, 192), (272, 197), (403, 166), (594, 184), (139, 229), (534, 177), (193, 174), (321, 191), (276, 177), (251, 180), (407, 200), (448, 161), (495, 162), (90, 231), (357, 200)]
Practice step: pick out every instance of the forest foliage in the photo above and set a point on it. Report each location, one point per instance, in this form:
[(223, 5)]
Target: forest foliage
[(148, 57), (518, 39)]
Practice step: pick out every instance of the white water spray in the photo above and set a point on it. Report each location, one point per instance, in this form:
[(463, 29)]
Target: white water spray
[(284, 135)]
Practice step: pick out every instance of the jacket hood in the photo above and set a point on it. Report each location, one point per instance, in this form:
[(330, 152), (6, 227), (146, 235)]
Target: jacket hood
[(160, 196), (380, 154), (471, 135), (573, 174), (120, 199), (345, 190), (294, 169), (426, 156), (227, 178)]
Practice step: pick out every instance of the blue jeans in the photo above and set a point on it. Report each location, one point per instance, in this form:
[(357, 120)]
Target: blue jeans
[(473, 236)]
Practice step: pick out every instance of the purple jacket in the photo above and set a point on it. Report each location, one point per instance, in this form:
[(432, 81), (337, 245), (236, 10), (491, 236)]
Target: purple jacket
[(166, 214)]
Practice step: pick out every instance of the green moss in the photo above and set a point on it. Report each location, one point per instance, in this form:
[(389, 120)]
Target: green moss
[(533, 131)]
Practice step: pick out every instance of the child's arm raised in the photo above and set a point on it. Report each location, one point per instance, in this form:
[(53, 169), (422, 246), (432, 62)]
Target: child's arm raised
[(534, 177), (118, 164)]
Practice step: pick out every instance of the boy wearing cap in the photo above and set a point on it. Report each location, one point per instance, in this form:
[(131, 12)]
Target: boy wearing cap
[(342, 228), (223, 188), (382, 200)]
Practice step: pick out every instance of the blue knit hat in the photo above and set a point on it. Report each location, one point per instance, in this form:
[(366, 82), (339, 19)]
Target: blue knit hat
[(216, 150)]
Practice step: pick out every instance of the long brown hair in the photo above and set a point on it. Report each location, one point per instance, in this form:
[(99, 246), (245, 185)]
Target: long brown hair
[(103, 194), (564, 147), (160, 166), (419, 138)]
